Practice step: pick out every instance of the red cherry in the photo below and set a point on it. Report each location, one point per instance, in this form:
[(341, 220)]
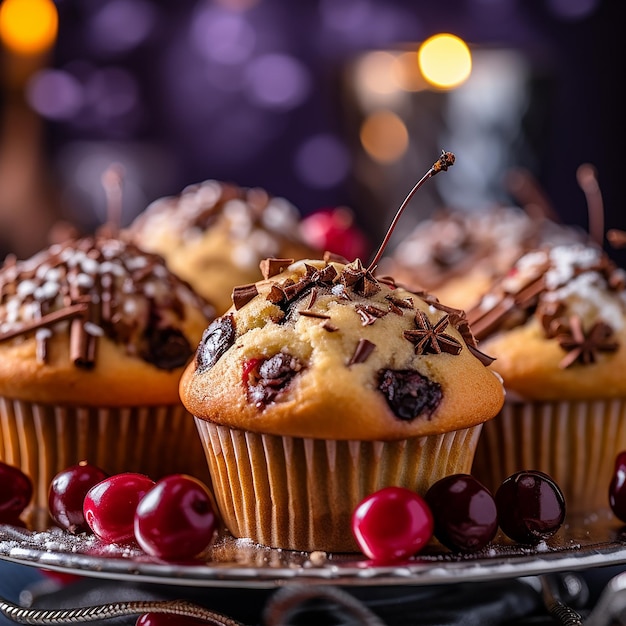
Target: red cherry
[(334, 230), (16, 490), (617, 488), (392, 524), (67, 494), (109, 506), (167, 619), (175, 519)]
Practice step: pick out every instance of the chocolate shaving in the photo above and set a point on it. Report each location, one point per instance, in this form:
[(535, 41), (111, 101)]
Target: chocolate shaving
[(45, 321), (307, 313), (362, 352), (429, 339), (337, 258), (243, 294), (527, 296), (361, 280), (402, 303), (551, 317), (369, 313), (484, 321), (331, 328), (271, 267), (485, 359), (276, 295)]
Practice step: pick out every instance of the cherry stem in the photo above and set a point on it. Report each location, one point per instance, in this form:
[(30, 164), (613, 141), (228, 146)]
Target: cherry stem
[(445, 161), (112, 183), (588, 182)]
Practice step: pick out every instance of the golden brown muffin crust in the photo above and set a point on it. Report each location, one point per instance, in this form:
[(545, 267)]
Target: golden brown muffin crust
[(308, 356)]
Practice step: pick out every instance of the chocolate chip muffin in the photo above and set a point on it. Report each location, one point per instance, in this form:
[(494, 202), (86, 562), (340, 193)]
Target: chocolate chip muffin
[(215, 234), (323, 384), (94, 335), (556, 323), (457, 254)]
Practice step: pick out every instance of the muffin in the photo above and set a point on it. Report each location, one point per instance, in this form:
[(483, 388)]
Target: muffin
[(556, 325), (323, 384), (215, 234), (456, 254), (94, 336)]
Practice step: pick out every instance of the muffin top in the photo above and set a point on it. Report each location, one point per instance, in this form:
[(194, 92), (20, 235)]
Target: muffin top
[(215, 234), (556, 324), (324, 349), (96, 321), (456, 254)]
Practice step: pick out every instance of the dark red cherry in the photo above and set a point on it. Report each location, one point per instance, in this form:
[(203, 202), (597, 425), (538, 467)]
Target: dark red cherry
[(167, 619), (109, 507), (175, 519), (617, 488), (392, 524), (464, 511), (531, 507), (16, 490), (67, 494)]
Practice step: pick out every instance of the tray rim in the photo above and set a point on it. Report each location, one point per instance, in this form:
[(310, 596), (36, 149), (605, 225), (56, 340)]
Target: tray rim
[(341, 570)]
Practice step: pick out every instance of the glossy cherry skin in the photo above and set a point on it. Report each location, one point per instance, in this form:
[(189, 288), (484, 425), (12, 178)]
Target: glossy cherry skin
[(531, 507), (617, 488), (176, 518), (109, 507), (167, 619), (465, 512), (392, 524), (16, 490), (334, 230), (67, 494)]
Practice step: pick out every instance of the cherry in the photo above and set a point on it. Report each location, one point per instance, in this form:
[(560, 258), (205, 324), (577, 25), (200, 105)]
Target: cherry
[(392, 524), (334, 230), (167, 619), (176, 519), (465, 512), (109, 507), (67, 493), (531, 507), (16, 490), (617, 488)]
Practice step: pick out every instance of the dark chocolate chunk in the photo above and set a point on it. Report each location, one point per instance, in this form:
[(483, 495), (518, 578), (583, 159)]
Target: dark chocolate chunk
[(362, 351), (166, 348), (216, 340), (271, 378), (409, 393), (271, 267), (243, 294)]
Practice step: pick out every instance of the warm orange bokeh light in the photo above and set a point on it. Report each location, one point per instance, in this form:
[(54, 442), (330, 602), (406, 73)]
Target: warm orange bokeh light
[(28, 26), (384, 136), (445, 60)]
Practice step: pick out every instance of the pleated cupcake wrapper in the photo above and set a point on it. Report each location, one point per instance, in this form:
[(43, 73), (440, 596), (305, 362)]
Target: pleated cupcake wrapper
[(44, 439), (300, 494), (574, 442)]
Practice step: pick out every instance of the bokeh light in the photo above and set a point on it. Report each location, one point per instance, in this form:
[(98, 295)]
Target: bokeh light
[(445, 60), (55, 94), (277, 81), (384, 136), (28, 26), (322, 161)]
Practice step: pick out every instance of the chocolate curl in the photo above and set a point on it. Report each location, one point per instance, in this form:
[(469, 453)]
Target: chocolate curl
[(588, 182), (270, 267), (361, 352), (82, 344), (483, 322), (442, 164), (45, 321)]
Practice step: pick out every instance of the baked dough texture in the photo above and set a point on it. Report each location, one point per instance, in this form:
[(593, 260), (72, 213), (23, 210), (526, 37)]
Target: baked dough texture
[(215, 234), (342, 356)]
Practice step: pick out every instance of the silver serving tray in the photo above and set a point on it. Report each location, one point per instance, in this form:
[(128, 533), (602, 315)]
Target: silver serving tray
[(579, 544)]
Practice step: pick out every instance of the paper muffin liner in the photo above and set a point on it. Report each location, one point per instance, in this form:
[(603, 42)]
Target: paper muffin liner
[(44, 439), (299, 494), (575, 442)]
